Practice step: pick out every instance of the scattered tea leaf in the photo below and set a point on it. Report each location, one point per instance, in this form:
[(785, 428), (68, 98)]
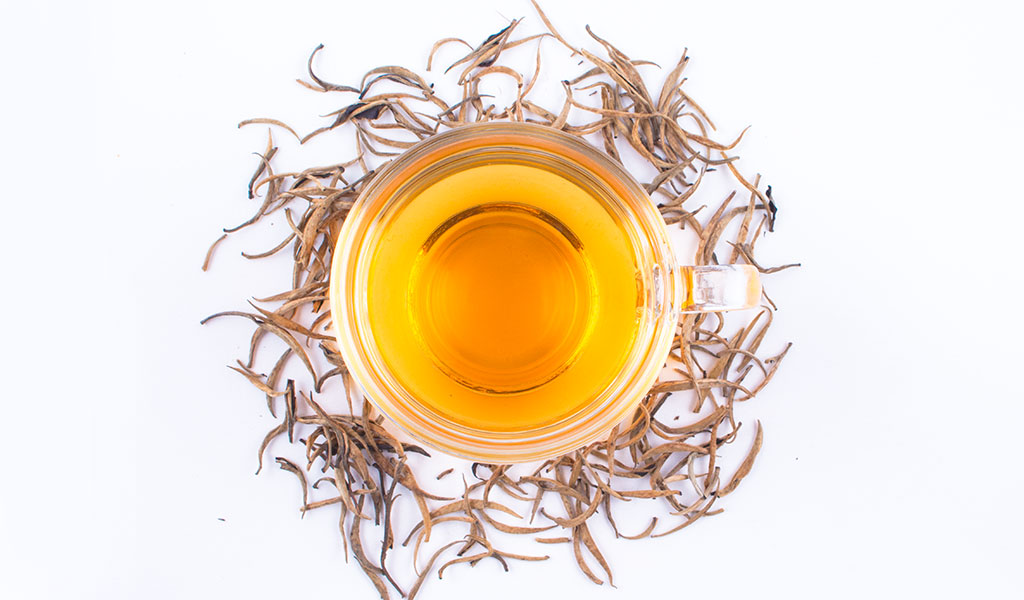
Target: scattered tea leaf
[(712, 366)]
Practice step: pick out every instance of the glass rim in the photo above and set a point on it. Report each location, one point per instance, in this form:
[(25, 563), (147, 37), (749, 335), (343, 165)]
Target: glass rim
[(661, 295)]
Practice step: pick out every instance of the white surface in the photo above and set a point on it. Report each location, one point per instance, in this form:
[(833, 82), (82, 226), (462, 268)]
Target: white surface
[(891, 135)]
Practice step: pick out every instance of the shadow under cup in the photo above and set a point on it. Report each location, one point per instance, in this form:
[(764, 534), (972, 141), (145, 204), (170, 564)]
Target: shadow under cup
[(504, 292)]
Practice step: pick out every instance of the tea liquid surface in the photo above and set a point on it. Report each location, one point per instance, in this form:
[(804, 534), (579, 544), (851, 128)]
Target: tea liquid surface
[(505, 296)]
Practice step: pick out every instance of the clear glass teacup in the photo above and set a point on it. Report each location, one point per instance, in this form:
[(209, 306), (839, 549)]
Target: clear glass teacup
[(506, 292)]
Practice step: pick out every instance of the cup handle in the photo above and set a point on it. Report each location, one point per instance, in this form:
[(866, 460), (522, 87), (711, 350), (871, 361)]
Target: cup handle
[(712, 288)]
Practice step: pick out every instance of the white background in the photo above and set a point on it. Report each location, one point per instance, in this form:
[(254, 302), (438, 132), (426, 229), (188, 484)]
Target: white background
[(891, 133)]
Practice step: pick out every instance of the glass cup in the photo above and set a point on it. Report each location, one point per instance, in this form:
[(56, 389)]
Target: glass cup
[(665, 290)]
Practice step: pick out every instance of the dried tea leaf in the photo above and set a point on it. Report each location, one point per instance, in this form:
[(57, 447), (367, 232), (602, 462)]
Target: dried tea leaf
[(209, 253), (287, 465), (430, 563), (577, 549), (255, 380), (748, 255), (746, 465), (274, 122), (324, 86), (372, 571), (689, 521), (580, 518), (273, 433), (646, 532), (558, 540)]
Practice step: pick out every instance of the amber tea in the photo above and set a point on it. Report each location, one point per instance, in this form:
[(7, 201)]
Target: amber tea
[(504, 296)]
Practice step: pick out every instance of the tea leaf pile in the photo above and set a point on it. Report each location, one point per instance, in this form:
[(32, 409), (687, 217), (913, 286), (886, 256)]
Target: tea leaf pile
[(670, 472)]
